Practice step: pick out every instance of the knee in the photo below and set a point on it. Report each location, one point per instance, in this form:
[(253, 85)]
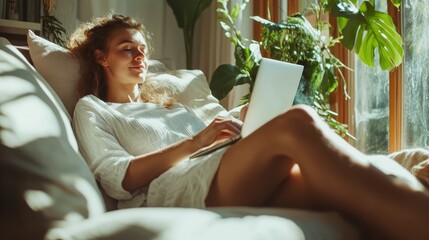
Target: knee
[(292, 130), (303, 112), (298, 115), (299, 121)]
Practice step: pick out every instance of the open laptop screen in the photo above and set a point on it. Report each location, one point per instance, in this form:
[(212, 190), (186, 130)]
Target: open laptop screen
[(274, 91)]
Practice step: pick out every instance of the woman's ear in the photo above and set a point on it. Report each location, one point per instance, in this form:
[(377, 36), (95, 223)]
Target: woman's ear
[(99, 56)]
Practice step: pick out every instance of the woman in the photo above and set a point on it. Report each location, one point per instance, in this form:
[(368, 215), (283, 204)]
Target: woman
[(137, 144)]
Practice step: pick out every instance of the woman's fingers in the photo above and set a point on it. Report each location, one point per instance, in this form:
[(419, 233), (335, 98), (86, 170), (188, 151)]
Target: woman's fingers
[(228, 125), (220, 128)]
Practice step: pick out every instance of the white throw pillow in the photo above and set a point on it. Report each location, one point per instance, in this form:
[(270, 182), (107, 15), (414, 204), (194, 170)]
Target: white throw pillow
[(190, 88), (44, 181), (415, 160), (58, 66)]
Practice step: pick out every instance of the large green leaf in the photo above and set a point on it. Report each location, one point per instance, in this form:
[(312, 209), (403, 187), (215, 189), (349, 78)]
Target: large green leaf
[(368, 30), (188, 11), (329, 4), (385, 38), (225, 77)]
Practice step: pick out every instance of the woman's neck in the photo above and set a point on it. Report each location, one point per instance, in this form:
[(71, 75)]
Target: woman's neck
[(123, 94)]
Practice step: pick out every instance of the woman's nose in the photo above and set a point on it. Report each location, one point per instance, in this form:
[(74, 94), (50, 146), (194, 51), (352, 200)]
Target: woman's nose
[(140, 54), (139, 57)]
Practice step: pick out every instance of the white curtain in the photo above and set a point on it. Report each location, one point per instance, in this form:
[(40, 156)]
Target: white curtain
[(211, 47)]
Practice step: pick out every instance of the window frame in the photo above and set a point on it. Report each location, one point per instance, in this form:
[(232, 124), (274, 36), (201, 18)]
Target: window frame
[(395, 93)]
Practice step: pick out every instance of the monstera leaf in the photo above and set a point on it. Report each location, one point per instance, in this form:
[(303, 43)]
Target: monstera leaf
[(365, 30), (187, 12)]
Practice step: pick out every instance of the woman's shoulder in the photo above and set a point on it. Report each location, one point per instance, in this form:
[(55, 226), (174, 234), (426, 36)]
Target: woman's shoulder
[(90, 110), (89, 103)]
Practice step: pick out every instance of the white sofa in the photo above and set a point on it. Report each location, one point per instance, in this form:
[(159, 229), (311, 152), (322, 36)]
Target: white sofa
[(48, 192)]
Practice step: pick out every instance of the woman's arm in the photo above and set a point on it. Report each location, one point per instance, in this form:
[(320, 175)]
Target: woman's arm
[(143, 169)]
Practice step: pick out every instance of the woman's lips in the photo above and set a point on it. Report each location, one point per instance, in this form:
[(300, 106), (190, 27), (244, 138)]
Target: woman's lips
[(138, 67)]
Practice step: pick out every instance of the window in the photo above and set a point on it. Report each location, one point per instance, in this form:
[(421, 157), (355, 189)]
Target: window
[(371, 104), (377, 104), (415, 20), (389, 110)]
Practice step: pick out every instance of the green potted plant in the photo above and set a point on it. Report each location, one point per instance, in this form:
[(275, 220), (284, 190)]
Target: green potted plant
[(52, 28), (295, 40), (187, 13)]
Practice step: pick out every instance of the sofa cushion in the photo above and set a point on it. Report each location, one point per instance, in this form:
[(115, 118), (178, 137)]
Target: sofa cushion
[(58, 66), (190, 87), (215, 223), (415, 160), (44, 180)]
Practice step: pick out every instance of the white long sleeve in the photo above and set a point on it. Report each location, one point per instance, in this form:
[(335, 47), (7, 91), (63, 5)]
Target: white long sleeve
[(110, 135)]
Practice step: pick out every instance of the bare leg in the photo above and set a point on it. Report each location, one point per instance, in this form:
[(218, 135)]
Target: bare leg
[(294, 193), (334, 174)]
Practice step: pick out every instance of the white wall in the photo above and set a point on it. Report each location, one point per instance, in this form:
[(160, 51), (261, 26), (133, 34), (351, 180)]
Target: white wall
[(156, 15)]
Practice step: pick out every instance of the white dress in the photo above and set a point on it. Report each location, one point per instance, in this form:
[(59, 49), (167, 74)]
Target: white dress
[(111, 134)]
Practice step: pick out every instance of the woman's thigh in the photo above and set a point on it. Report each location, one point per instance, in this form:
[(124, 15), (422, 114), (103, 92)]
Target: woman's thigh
[(254, 169), (246, 177)]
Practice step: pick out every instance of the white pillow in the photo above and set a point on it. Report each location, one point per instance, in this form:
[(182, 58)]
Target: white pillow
[(58, 66), (190, 87), (415, 160), (61, 70)]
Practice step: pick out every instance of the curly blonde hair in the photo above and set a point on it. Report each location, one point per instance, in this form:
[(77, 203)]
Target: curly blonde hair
[(96, 34)]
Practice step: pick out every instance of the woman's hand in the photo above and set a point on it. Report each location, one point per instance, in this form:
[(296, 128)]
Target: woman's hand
[(220, 128)]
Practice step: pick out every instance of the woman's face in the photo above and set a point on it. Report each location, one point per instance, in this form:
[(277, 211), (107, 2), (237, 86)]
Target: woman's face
[(125, 60)]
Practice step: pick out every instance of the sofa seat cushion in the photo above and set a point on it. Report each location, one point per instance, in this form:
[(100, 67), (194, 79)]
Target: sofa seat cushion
[(215, 223), (44, 180)]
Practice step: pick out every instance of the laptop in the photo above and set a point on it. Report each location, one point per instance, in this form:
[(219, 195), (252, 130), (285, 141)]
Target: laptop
[(275, 88)]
